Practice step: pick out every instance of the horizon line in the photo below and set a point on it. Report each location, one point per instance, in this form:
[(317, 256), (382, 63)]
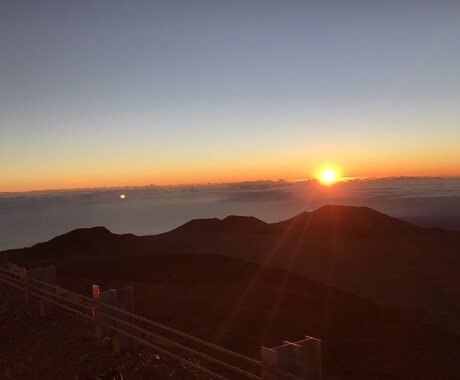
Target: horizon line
[(307, 179)]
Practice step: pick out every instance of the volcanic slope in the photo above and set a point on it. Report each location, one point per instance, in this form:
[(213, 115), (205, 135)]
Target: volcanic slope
[(65, 346), (242, 306), (356, 249)]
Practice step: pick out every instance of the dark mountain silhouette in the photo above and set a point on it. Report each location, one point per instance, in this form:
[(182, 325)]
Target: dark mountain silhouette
[(82, 242), (182, 279), (326, 222), (346, 221), (230, 224), (356, 249)]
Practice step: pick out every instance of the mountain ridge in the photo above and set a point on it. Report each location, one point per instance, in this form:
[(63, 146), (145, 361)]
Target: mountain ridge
[(413, 271), (344, 220), (323, 223), (354, 249)]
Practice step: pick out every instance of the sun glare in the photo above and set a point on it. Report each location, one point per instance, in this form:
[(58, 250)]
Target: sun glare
[(328, 176)]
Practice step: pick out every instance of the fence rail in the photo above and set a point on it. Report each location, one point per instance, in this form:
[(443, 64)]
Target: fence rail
[(113, 317)]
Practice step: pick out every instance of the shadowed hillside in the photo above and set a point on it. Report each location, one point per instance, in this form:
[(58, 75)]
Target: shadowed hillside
[(243, 306), (346, 221), (83, 242), (64, 346), (356, 249), (230, 224)]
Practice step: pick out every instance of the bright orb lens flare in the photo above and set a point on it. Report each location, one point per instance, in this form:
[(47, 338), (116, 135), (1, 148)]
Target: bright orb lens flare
[(122, 196)]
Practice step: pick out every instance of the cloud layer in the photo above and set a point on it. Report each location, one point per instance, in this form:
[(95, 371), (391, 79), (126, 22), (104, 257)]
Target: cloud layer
[(28, 218)]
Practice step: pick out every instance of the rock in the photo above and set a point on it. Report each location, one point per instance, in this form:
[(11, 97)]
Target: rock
[(9, 374)]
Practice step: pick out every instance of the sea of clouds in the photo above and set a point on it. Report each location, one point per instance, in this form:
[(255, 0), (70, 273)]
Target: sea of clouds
[(29, 218)]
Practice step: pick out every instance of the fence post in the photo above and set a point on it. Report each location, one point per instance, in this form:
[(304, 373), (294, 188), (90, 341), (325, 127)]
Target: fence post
[(274, 361), (301, 359), (309, 358), (104, 323), (32, 274), (123, 343), (4, 263), (48, 275), (96, 292), (21, 273)]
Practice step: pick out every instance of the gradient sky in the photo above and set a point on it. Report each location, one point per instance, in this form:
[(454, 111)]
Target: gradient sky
[(106, 93)]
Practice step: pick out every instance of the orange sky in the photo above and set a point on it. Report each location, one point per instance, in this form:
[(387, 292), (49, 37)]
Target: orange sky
[(95, 94), (293, 168)]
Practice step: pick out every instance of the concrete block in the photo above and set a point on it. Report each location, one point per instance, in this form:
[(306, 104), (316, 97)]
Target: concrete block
[(301, 359), (276, 361), (44, 275), (123, 343), (21, 274), (308, 353), (31, 286), (108, 297), (48, 275)]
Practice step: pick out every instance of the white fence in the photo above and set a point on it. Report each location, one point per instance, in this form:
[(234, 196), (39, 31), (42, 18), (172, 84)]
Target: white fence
[(113, 316)]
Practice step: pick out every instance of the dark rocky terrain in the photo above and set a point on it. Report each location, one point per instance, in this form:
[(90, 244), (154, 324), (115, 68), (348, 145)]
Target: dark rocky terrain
[(382, 294), (64, 346)]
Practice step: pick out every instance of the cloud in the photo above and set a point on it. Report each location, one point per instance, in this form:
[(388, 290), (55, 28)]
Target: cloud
[(27, 218)]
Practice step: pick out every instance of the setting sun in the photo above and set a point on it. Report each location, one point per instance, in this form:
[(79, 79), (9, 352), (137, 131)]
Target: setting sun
[(327, 176)]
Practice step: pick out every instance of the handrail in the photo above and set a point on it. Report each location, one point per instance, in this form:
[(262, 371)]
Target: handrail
[(160, 326), (51, 296), (11, 279), (139, 329), (140, 340)]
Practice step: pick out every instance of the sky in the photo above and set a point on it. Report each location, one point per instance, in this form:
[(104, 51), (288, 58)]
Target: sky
[(114, 93)]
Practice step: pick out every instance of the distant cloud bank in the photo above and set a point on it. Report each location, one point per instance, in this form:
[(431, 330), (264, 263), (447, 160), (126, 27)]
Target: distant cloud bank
[(28, 218)]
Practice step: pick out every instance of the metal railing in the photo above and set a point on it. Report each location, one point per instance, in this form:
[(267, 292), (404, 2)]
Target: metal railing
[(210, 360)]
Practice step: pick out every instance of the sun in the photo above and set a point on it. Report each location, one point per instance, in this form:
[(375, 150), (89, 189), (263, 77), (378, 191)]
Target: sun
[(327, 176)]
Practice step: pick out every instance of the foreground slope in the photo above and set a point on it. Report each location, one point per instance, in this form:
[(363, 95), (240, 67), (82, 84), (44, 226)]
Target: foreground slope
[(243, 306), (64, 346), (356, 249)]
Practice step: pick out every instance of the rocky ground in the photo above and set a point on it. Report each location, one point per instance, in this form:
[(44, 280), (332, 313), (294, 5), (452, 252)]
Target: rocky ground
[(64, 347)]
